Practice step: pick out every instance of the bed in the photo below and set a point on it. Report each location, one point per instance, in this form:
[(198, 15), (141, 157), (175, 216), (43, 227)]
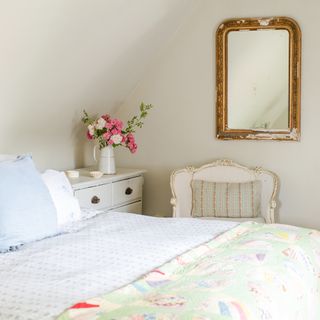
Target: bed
[(126, 266), (93, 257)]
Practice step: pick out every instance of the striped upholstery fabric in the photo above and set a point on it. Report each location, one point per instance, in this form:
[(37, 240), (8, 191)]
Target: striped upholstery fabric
[(227, 200)]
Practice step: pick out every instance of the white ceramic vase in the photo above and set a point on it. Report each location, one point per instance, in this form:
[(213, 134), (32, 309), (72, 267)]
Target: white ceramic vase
[(106, 162)]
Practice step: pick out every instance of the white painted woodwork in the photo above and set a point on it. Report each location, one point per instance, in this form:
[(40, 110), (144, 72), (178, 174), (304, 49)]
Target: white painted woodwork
[(118, 192), (102, 192), (135, 207)]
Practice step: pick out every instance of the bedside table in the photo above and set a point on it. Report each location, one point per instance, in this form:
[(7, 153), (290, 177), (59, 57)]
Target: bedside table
[(117, 192)]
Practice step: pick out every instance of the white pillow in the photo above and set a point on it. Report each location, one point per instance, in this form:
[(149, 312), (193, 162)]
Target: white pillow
[(67, 206)]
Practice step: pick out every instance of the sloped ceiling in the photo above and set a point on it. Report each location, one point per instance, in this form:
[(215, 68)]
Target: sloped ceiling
[(91, 52), (58, 57)]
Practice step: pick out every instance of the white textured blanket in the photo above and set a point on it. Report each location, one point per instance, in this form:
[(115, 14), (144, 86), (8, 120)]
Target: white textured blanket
[(96, 256)]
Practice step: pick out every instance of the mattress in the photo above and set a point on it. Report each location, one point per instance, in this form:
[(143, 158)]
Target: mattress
[(91, 258)]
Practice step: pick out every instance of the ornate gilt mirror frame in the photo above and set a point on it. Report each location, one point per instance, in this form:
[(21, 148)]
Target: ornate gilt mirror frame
[(276, 23)]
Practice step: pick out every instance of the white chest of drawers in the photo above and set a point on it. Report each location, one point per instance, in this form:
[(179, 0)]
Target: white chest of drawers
[(119, 192)]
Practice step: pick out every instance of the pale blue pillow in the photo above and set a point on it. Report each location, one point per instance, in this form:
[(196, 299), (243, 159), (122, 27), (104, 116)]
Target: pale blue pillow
[(27, 212)]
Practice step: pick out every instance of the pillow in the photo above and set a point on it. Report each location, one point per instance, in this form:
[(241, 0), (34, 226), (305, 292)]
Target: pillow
[(27, 212), (226, 200), (67, 206)]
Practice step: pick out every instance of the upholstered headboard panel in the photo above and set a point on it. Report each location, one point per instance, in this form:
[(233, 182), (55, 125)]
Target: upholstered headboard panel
[(222, 171)]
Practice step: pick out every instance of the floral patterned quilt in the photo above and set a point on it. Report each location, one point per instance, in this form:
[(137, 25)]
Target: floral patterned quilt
[(253, 271)]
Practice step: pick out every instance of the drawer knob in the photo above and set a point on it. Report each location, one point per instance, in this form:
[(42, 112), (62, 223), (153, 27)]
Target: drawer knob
[(95, 200), (128, 191)]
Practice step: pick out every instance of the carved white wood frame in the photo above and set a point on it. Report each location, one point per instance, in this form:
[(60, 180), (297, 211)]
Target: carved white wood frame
[(223, 171)]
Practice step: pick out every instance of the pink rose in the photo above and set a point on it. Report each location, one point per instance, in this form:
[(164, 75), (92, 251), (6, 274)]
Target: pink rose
[(133, 148), (114, 124), (118, 124), (89, 136), (115, 131), (107, 135), (130, 137), (106, 117), (130, 143)]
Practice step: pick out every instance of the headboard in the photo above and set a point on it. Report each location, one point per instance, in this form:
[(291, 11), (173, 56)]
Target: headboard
[(222, 171)]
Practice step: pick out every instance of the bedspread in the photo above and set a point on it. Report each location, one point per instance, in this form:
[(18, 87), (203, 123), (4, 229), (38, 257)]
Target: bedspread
[(92, 258), (252, 271)]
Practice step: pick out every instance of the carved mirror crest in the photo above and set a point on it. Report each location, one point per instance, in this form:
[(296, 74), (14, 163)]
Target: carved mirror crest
[(258, 79)]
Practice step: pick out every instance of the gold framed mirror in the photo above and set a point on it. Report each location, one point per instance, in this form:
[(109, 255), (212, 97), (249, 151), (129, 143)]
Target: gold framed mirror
[(258, 79)]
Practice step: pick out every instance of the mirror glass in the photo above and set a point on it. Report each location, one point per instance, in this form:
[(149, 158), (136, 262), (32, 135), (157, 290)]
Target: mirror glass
[(258, 79)]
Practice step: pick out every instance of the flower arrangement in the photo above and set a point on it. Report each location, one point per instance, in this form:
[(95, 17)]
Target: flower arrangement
[(109, 131)]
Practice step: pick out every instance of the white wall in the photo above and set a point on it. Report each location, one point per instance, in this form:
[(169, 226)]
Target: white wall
[(58, 57), (181, 130)]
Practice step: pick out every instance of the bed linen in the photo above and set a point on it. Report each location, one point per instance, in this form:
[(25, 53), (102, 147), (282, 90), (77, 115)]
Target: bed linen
[(94, 257), (27, 212), (253, 271)]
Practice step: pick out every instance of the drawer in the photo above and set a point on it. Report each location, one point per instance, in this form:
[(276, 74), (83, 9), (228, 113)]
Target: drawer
[(98, 197), (126, 190), (135, 207)]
